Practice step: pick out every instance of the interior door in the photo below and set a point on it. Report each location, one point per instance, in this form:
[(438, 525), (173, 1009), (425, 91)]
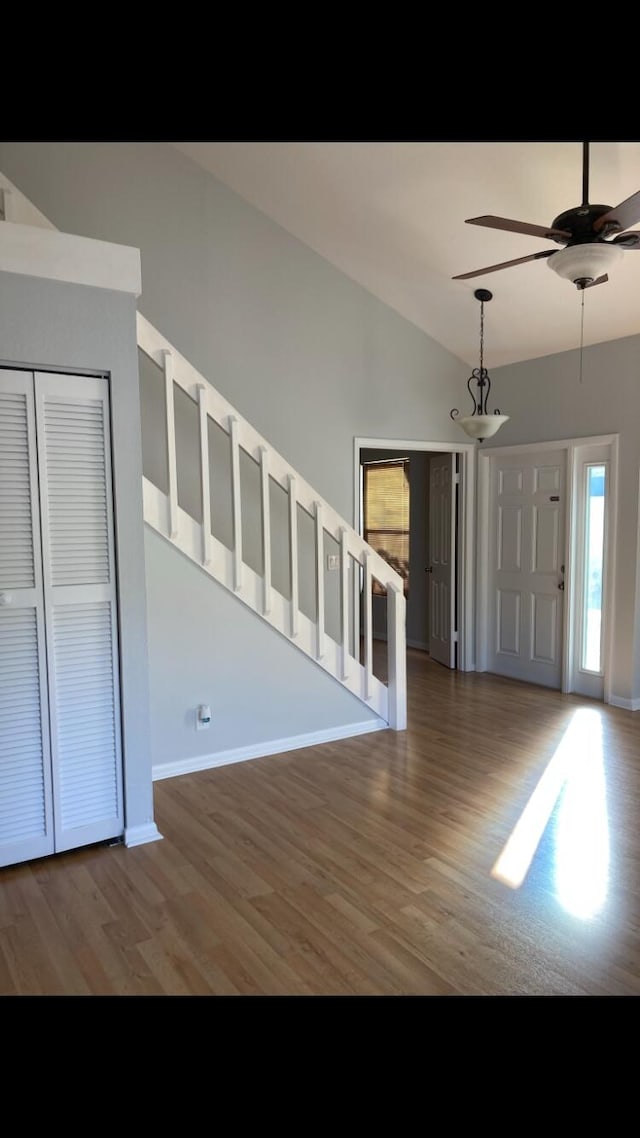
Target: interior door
[(442, 559), (526, 575), (72, 416), (26, 819)]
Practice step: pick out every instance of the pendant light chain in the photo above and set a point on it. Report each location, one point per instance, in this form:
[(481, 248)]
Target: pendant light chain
[(581, 337), (480, 424)]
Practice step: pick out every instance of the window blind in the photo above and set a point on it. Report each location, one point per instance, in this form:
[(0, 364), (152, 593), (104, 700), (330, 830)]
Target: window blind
[(386, 515)]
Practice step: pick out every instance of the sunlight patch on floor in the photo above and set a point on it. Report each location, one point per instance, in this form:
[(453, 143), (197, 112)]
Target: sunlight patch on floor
[(574, 778)]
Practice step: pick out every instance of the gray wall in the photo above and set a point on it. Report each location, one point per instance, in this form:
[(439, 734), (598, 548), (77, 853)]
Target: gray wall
[(47, 324), (211, 649), (546, 401), (308, 356)]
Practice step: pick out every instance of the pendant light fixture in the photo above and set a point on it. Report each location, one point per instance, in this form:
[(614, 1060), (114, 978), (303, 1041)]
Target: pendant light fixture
[(480, 424)]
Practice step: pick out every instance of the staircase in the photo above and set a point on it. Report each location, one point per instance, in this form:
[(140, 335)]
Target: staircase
[(277, 536), (358, 564)]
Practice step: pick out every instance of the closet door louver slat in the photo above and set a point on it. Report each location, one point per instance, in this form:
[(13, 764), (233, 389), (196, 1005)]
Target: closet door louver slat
[(96, 738)]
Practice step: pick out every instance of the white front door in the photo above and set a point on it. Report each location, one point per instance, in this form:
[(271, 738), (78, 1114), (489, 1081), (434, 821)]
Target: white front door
[(442, 559), (526, 569)]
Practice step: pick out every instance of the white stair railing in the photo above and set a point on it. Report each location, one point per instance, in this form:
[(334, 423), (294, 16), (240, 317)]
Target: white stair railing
[(359, 564), (163, 512)]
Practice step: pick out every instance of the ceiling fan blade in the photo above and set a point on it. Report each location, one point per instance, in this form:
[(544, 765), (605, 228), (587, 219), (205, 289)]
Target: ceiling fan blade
[(624, 215), (598, 280), (629, 240), (505, 265), (518, 226)]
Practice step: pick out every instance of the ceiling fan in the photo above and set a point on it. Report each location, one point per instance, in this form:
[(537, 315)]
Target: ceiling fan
[(586, 232)]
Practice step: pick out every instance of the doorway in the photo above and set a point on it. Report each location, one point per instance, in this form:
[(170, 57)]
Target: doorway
[(439, 573), (527, 537), (546, 546)]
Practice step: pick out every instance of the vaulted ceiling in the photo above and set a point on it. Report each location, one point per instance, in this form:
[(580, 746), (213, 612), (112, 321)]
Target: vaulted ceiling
[(391, 215)]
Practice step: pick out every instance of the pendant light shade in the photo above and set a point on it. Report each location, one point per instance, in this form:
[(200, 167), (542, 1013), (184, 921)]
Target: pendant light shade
[(480, 424), (481, 427)]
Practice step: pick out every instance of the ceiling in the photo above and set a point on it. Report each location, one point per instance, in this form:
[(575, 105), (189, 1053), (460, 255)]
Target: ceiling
[(391, 215)]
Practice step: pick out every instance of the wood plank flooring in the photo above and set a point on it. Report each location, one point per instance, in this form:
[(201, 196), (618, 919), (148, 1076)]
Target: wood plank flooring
[(361, 867)]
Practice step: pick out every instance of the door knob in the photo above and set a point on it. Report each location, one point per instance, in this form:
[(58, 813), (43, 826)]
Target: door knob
[(561, 586), (429, 570), (5, 598)]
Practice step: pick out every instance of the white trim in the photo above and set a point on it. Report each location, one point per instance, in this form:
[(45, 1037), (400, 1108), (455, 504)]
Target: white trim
[(140, 835), (627, 704), (482, 562), (421, 645), (466, 527), (579, 680), (572, 530), (260, 750), (559, 444), (611, 568), (19, 208), (36, 252)]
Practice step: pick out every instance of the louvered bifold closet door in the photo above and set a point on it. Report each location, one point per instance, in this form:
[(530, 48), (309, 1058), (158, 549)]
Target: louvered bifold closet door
[(72, 414), (26, 819)]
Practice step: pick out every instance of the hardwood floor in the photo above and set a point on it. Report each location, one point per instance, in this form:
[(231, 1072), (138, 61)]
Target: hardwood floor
[(363, 867)]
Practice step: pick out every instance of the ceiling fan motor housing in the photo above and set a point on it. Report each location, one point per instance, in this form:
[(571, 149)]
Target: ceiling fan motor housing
[(579, 222)]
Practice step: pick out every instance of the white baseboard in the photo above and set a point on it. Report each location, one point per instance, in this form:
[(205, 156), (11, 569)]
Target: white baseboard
[(139, 835), (627, 704), (260, 750), (423, 645)]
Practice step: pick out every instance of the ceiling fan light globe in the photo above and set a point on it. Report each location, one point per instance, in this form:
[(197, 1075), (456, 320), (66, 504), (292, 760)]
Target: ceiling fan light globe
[(585, 262)]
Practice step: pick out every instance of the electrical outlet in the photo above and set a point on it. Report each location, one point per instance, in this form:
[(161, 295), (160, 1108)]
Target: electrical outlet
[(203, 717), (333, 560)]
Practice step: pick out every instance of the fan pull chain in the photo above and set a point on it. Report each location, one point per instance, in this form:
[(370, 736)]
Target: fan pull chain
[(581, 336)]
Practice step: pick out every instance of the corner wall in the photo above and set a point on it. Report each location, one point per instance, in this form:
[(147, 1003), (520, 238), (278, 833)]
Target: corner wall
[(48, 324)]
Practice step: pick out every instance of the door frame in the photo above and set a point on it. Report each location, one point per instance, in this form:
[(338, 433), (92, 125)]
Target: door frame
[(466, 586), (572, 447)]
